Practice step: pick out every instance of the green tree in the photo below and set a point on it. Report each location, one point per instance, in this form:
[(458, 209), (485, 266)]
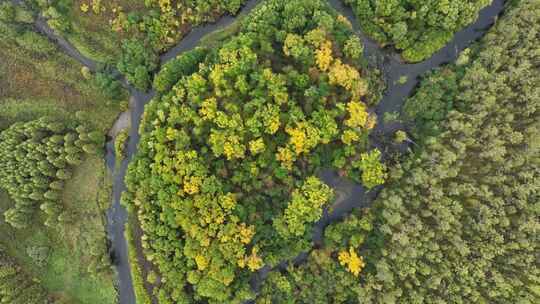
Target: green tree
[(137, 62), (373, 171), (353, 48), (184, 65), (224, 182), (108, 85), (305, 208), (7, 12)]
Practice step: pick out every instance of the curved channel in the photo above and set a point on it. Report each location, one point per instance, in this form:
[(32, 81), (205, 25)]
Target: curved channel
[(350, 195)]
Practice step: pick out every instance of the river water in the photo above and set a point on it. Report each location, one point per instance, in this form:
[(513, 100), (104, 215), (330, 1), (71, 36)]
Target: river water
[(348, 194)]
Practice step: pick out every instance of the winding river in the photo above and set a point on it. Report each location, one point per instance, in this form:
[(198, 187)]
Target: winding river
[(349, 195)]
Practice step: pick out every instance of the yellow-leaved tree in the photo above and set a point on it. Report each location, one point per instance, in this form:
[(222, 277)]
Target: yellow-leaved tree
[(354, 263)]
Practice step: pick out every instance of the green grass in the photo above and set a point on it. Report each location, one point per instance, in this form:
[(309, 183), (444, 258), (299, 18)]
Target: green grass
[(216, 38), (65, 272), (33, 84), (13, 110), (92, 34), (76, 285), (90, 182)]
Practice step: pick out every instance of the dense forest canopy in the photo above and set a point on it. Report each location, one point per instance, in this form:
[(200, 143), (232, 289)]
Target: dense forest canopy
[(417, 28), (331, 274), (225, 179), (459, 220)]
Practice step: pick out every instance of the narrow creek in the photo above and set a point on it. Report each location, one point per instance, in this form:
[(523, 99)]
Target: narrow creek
[(349, 194)]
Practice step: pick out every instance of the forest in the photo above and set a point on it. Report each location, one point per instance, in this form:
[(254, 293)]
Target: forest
[(220, 150), (36, 158)]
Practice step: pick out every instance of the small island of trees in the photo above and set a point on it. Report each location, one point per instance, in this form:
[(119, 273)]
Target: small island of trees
[(416, 28)]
